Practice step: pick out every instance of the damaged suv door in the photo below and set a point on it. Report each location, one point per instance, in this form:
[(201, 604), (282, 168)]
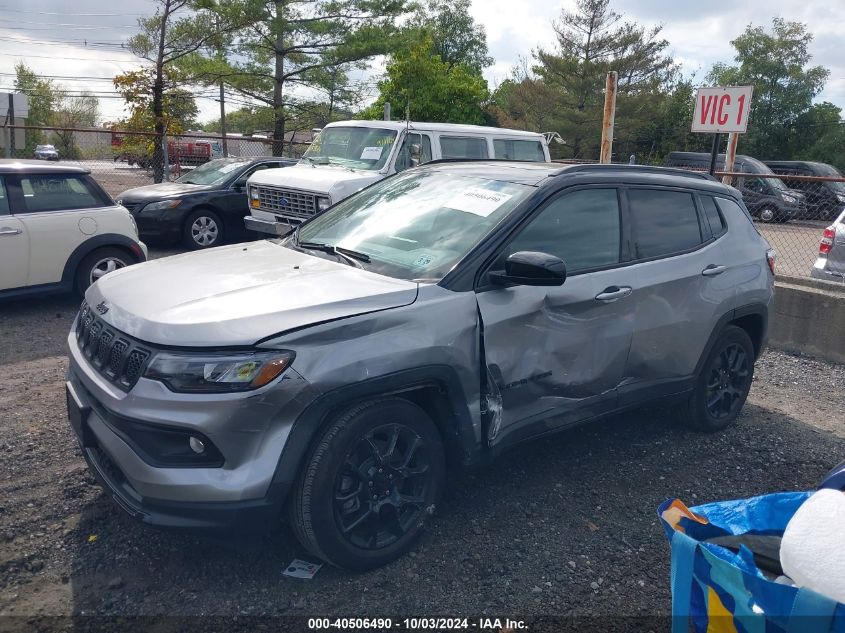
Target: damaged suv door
[(558, 351)]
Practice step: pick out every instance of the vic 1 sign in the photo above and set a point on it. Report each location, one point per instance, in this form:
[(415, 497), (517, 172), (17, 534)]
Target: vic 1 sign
[(722, 109)]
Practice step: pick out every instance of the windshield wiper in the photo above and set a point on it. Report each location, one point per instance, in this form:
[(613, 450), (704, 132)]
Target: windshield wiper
[(318, 160), (353, 258)]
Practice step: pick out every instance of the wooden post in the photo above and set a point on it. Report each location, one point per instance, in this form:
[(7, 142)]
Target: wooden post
[(730, 156), (609, 116), (714, 152)]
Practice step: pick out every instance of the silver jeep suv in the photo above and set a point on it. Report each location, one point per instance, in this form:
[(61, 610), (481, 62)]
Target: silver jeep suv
[(437, 317)]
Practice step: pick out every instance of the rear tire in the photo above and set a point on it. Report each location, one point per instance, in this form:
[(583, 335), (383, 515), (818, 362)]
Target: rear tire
[(369, 484), (767, 214), (99, 263), (723, 383)]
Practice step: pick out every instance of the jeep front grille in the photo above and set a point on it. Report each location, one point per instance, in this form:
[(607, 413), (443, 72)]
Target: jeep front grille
[(286, 202), (114, 355)]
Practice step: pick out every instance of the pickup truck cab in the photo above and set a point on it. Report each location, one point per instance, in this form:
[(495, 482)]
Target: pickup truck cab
[(347, 156)]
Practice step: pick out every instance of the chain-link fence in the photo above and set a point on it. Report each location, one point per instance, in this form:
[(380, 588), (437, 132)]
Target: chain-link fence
[(123, 159)]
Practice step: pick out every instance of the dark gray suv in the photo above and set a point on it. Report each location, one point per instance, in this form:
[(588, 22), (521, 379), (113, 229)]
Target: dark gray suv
[(437, 317)]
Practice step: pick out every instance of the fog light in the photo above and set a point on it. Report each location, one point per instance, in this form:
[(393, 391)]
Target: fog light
[(196, 445)]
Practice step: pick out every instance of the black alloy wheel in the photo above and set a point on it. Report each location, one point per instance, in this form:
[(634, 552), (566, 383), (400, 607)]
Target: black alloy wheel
[(727, 380), (381, 489)]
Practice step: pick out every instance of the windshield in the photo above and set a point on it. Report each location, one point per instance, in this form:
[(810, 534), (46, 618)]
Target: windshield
[(213, 172), (353, 147), (830, 171), (416, 225), (45, 147)]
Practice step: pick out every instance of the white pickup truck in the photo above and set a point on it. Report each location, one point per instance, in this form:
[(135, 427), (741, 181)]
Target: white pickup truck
[(347, 156)]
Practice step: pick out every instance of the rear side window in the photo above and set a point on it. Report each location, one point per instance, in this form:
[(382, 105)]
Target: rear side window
[(505, 149), (582, 228), (714, 219), (58, 192), (463, 147), (4, 199), (662, 222)]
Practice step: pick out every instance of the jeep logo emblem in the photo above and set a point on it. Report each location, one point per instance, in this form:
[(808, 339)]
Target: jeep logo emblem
[(102, 308)]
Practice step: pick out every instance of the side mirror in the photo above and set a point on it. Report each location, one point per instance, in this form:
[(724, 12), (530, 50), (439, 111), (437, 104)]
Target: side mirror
[(528, 268), (239, 185)]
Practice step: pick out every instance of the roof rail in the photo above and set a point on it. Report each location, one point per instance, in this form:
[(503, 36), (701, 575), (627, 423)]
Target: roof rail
[(640, 168)]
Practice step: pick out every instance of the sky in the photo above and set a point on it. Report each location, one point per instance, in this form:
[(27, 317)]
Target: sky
[(79, 42)]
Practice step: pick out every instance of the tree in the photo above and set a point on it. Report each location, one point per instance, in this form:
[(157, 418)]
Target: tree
[(42, 95), (290, 46), (431, 90), (776, 64), (73, 112), (591, 41), (178, 29), (455, 36)]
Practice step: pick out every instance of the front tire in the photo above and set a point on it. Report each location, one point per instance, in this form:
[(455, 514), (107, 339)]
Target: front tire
[(722, 386), (99, 263), (202, 229), (369, 485)]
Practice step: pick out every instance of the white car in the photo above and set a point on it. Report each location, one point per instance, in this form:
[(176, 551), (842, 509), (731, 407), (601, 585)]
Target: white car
[(59, 231)]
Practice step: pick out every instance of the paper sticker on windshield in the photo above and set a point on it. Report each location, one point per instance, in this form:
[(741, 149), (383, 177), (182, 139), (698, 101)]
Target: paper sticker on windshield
[(371, 153), (479, 201), (423, 260)]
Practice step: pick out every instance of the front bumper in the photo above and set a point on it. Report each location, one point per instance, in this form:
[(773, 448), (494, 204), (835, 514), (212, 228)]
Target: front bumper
[(251, 433), (278, 229)]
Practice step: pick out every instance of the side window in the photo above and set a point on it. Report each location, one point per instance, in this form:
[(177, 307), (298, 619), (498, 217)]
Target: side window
[(714, 219), (506, 149), (463, 147), (582, 228), (4, 198), (756, 185), (60, 192), (662, 222), (405, 159)]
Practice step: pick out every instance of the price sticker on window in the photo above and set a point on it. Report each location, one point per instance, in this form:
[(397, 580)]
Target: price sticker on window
[(477, 201), (371, 153)]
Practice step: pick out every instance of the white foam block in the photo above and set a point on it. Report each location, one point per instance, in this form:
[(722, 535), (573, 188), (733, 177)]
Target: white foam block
[(812, 551)]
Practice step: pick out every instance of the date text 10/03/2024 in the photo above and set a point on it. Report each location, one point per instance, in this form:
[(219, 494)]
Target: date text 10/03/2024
[(501, 625)]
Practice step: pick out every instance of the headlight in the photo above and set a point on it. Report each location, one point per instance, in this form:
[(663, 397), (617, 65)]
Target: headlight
[(164, 204), (254, 202), (787, 198), (218, 373), (323, 204), (841, 197)]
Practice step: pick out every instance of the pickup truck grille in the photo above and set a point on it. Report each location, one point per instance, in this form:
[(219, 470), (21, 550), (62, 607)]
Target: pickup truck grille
[(115, 356), (286, 202)]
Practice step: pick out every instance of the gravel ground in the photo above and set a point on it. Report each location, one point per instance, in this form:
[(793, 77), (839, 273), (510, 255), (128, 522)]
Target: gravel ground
[(563, 526)]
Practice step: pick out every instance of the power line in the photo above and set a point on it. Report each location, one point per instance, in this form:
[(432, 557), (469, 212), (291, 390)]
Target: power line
[(71, 14), (76, 24), (62, 57)]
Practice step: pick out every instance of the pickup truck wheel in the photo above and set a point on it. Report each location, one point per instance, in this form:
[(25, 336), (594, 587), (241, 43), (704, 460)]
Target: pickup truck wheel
[(369, 485), (203, 229), (99, 263), (723, 383)]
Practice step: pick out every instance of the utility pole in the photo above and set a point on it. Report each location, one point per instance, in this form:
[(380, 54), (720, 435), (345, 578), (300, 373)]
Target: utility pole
[(223, 119), (12, 121), (609, 117)]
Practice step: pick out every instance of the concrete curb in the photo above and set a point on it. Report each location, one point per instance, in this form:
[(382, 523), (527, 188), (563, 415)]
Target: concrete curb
[(809, 318)]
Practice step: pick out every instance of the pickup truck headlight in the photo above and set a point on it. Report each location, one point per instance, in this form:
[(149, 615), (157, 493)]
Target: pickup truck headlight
[(218, 373), (790, 199), (254, 202), (164, 204), (323, 204)]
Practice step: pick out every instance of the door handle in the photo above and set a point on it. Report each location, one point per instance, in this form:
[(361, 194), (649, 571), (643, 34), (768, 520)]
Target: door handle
[(712, 270), (9, 231), (613, 293)]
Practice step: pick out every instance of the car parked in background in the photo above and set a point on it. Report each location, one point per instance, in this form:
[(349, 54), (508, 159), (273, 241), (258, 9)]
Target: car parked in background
[(45, 152), (438, 317), (767, 198), (830, 263), (59, 231), (203, 208), (347, 156), (826, 198)]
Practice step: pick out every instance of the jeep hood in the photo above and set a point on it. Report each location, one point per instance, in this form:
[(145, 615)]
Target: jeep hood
[(238, 295), (332, 180)]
